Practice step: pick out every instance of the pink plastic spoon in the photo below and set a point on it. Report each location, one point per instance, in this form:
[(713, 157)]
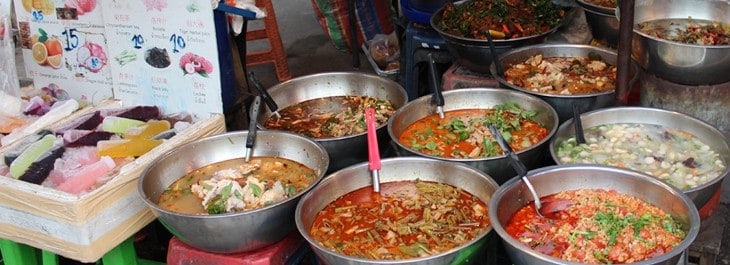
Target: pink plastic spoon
[(373, 152)]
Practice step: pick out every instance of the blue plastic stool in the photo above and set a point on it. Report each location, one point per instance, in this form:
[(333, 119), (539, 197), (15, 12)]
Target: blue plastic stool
[(420, 40)]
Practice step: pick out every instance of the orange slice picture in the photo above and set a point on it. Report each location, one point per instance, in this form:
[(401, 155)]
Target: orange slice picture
[(55, 61), (40, 53)]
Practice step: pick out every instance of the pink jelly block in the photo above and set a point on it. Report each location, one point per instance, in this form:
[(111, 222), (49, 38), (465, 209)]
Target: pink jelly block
[(179, 253)]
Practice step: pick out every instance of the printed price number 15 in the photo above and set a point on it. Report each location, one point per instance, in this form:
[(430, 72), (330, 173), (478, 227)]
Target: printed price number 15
[(72, 39), (178, 43)]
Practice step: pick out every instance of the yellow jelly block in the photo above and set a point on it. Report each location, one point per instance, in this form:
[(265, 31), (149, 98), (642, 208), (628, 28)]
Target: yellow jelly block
[(126, 147), (148, 130)]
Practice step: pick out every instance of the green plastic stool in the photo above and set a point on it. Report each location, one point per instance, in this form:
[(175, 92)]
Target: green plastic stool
[(20, 254)]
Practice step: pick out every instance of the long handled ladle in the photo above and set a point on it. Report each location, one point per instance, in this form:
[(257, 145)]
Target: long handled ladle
[(437, 98), (517, 165), (495, 57), (373, 152), (251, 136), (264, 94), (579, 135)]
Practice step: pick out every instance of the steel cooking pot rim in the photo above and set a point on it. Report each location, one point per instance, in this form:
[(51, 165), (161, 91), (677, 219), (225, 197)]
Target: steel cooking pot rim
[(364, 166), (693, 215), (553, 142), (668, 42), (596, 8), (539, 144), (157, 210), (437, 16), (502, 81)]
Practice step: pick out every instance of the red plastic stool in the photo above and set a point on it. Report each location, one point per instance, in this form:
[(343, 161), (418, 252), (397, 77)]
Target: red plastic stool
[(460, 77), (179, 253)]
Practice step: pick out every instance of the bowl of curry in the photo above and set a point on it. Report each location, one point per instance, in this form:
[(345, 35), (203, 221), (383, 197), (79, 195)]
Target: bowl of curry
[(330, 109), (463, 136), (426, 212), (563, 75), (593, 214), (211, 198)]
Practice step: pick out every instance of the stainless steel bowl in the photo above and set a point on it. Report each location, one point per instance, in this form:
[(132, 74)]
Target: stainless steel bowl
[(676, 62), (232, 232), (563, 104), (701, 194), (497, 167), (395, 169), (347, 150), (602, 22), (512, 195), (475, 54)]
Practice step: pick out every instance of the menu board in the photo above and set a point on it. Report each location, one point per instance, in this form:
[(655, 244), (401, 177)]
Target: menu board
[(145, 52)]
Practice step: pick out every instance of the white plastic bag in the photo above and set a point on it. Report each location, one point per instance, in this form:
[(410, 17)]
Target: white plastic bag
[(10, 102)]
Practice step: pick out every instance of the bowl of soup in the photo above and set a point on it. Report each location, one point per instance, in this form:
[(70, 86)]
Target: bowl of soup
[(563, 75), (682, 41), (426, 212), (679, 149), (463, 135), (208, 196), (329, 108), (593, 214)]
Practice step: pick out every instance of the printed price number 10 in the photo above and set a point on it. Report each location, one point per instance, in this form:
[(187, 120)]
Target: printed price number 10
[(72, 39), (178, 43), (137, 41)]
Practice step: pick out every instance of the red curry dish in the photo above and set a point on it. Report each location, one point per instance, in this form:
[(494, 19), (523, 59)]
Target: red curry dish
[(407, 219), (465, 133), (563, 75), (329, 117), (597, 227)]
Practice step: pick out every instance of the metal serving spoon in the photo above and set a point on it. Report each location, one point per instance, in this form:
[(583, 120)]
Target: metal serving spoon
[(251, 136), (437, 97), (579, 135), (517, 165), (264, 94), (495, 57)]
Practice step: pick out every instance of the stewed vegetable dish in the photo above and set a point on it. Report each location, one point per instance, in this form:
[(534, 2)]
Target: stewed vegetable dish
[(597, 227), (330, 117), (236, 185), (407, 219), (672, 155), (465, 133), (688, 31), (563, 75), (504, 19)]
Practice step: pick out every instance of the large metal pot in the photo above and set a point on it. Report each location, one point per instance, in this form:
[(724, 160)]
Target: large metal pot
[(395, 169), (602, 22), (512, 195), (677, 62), (563, 104), (347, 150), (479, 98), (231, 232), (701, 194), (475, 54)]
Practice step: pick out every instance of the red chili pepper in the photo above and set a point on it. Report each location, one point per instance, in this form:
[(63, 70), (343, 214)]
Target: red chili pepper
[(505, 29), (519, 27)]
